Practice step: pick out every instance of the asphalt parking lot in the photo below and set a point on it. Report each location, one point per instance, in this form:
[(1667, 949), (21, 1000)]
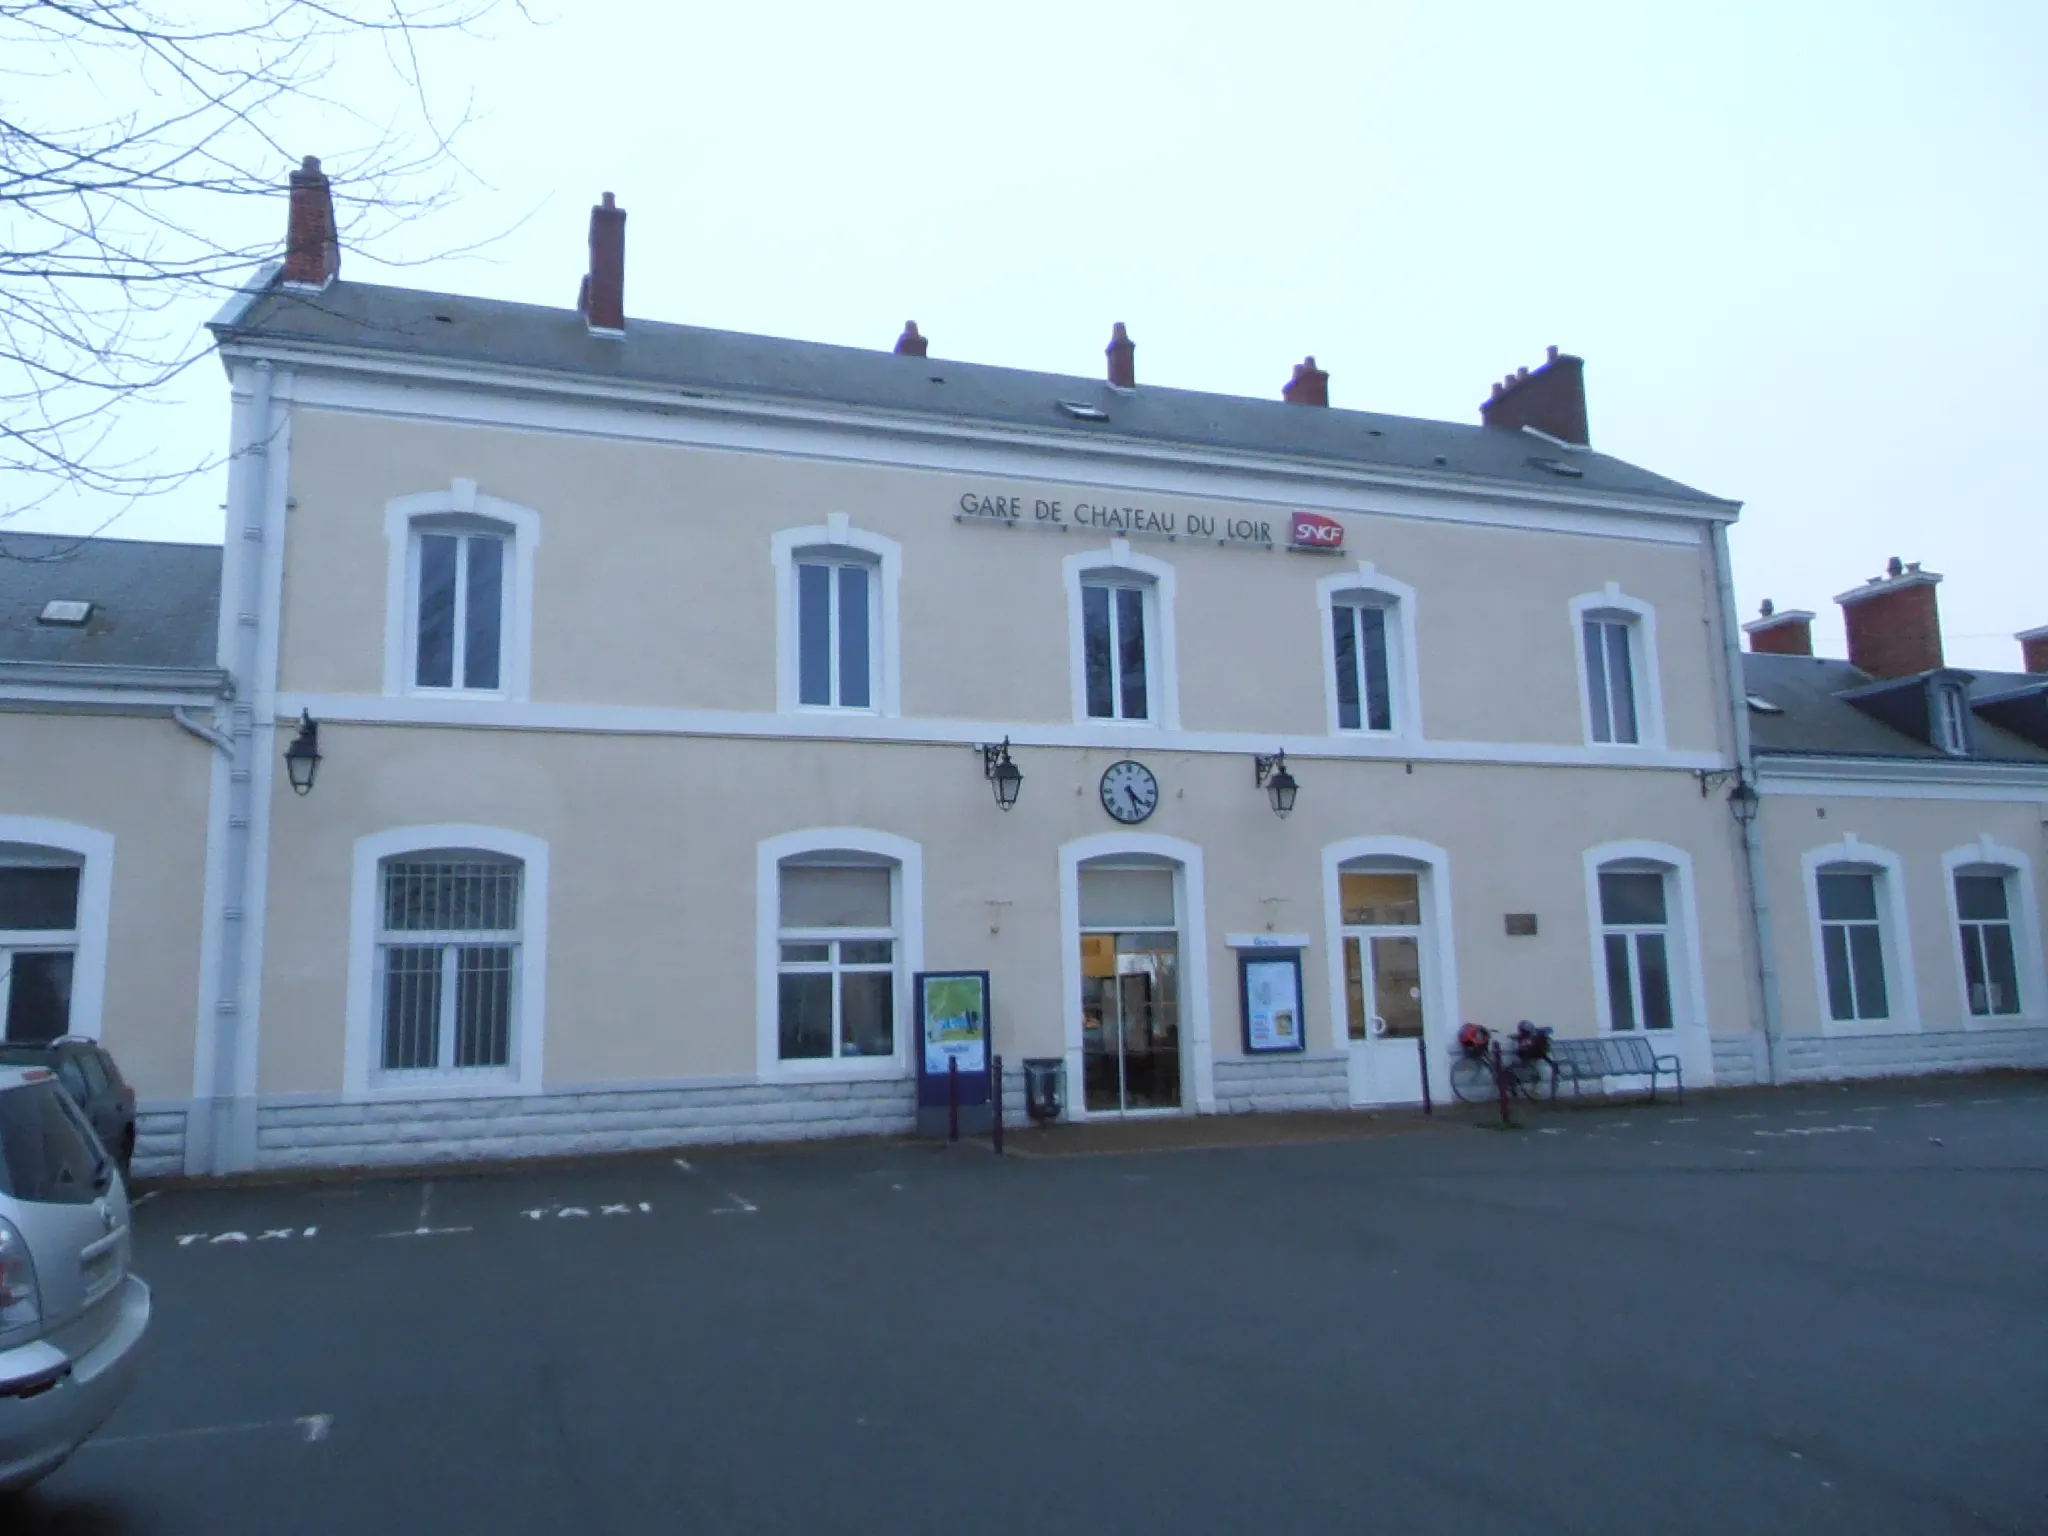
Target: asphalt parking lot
[(1823, 1310)]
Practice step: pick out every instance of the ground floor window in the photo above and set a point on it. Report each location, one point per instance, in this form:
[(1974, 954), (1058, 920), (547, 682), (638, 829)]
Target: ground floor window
[(448, 949), (38, 943), (837, 953), (1635, 939), (1130, 989), (1852, 942), (1990, 962)]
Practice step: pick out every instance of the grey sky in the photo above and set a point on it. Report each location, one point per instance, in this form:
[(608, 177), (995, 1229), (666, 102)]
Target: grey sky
[(1800, 246)]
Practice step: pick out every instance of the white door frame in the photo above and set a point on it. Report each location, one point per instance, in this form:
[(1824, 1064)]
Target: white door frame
[(1439, 948)]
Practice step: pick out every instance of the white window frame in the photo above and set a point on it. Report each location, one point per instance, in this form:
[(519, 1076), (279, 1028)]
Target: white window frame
[(1688, 1034), (906, 894), (1198, 1071), (1985, 857), (1118, 565), (1631, 932), (41, 842), (1612, 605), (1901, 981), (1369, 587), (1951, 718), (837, 541), (363, 1076), (447, 945), (460, 509)]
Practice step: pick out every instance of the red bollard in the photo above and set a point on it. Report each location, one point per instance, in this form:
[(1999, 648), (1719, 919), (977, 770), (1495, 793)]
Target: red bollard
[(953, 1097)]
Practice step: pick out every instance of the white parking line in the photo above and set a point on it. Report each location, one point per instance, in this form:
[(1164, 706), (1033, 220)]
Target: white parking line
[(741, 1205), (421, 1228), (312, 1427), (1933, 1104)]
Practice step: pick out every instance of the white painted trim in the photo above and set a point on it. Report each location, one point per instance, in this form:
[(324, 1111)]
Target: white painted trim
[(906, 891), (95, 907), (1439, 944), (1266, 941), (1901, 981), (1643, 660), (1404, 672), (1922, 778), (1191, 914), (2023, 912), (515, 653), (838, 533), (472, 394), (1162, 652), (104, 701), (1690, 1037), (360, 1032), (844, 725)]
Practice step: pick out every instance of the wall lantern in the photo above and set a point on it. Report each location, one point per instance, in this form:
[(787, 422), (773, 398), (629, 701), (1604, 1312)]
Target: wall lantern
[(302, 757), (1744, 801), (1004, 776), (1271, 775)]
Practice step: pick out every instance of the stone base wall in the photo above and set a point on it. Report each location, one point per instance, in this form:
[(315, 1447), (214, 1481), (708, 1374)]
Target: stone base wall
[(1739, 1061), (159, 1141), (1248, 1085), (335, 1134), (1820, 1058)]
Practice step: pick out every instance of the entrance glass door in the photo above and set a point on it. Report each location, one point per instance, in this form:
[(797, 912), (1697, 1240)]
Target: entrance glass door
[(1130, 991), (1384, 1007)]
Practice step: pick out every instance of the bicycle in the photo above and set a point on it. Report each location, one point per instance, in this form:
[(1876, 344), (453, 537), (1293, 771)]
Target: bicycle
[(1521, 1064)]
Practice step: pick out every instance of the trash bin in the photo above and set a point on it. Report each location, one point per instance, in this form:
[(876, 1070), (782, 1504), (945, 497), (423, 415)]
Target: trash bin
[(1045, 1087)]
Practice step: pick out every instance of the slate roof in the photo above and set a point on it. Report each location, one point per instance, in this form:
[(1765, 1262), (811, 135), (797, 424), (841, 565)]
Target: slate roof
[(154, 605), (1816, 723), (693, 360)]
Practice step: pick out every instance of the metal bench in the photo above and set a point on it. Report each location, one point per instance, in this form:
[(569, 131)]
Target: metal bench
[(1590, 1059)]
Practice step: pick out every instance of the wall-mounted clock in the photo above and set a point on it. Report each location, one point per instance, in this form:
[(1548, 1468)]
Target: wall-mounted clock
[(1129, 792)]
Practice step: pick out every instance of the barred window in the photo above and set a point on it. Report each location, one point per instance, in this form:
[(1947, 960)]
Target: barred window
[(448, 961)]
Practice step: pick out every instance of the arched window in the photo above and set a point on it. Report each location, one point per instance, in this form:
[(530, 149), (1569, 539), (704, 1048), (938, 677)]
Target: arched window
[(56, 883), (1369, 660), (1991, 899), (836, 603), (459, 594), (1646, 941), (1121, 635), (447, 961), (841, 936), (1620, 696), (1862, 955)]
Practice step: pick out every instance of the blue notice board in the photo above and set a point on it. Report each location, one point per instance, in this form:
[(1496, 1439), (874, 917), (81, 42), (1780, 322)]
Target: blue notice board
[(951, 1019)]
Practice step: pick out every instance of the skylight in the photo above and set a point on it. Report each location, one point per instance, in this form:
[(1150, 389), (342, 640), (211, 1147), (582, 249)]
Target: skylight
[(65, 610), (1763, 706), (1080, 410)]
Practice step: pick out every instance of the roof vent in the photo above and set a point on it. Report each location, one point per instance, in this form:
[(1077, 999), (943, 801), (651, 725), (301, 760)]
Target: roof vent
[(1559, 467), (65, 611), (1081, 410), (1759, 705)]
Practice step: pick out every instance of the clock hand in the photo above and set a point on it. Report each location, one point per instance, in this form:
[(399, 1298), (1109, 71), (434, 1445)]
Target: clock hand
[(1132, 796)]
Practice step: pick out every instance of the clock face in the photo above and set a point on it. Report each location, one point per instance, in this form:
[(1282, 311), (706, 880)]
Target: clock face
[(1129, 792)]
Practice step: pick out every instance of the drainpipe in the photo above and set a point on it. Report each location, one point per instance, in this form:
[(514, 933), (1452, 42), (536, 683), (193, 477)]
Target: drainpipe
[(219, 740), (224, 1150), (1754, 882)]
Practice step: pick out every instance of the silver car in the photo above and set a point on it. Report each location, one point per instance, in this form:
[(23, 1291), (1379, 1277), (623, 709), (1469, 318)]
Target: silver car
[(71, 1315)]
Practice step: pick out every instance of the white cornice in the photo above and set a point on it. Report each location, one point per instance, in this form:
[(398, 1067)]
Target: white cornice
[(423, 388), (69, 687), (1916, 778), (628, 720)]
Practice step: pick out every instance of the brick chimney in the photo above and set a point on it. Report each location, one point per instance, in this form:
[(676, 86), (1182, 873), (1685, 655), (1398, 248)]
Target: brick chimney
[(1552, 400), (1894, 622), (1122, 353), (911, 343), (602, 299), (1780, 634), (2034, 648), (312, 251), (1309, 386)]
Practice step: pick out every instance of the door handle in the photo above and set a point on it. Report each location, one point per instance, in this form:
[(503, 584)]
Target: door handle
[(1379, 1027)]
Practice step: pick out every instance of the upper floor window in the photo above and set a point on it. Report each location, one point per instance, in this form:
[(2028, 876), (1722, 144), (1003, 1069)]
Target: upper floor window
[(458, 609), (1122, 626), (836, 603), (1990, 958), (1113, 625), (1852, 942), (1635, 939), (1365, 696), (38, 944), (1616, 640), (459, 593), (1369, 653), (1952, 719), (837, 599), (448, 944)]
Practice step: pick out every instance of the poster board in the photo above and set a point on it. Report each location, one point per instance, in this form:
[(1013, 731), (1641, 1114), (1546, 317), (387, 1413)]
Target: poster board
[(951, 1017), (1269, 990)]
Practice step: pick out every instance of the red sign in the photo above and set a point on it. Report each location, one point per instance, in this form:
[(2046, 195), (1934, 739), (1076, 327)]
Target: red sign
[(1312, 530)]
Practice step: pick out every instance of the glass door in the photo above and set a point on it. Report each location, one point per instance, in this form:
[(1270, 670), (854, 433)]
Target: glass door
[(1384, 992), (1130, 1021)]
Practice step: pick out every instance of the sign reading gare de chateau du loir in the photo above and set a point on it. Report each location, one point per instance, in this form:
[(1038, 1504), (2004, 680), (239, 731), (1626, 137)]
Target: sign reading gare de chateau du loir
[(1296, 530)]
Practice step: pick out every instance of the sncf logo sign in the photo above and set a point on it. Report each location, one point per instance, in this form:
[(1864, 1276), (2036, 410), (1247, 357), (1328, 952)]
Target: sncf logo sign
[(1312, 530)]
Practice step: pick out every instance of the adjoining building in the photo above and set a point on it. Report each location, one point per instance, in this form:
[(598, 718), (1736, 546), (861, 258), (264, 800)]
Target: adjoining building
[(1903, 808), (607, 720)]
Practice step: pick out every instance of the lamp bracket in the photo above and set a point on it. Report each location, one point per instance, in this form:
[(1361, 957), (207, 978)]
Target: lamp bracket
[(993, 757), (1263, 768)]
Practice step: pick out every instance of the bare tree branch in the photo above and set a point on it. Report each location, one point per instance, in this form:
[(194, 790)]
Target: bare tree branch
[(135, 139)]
